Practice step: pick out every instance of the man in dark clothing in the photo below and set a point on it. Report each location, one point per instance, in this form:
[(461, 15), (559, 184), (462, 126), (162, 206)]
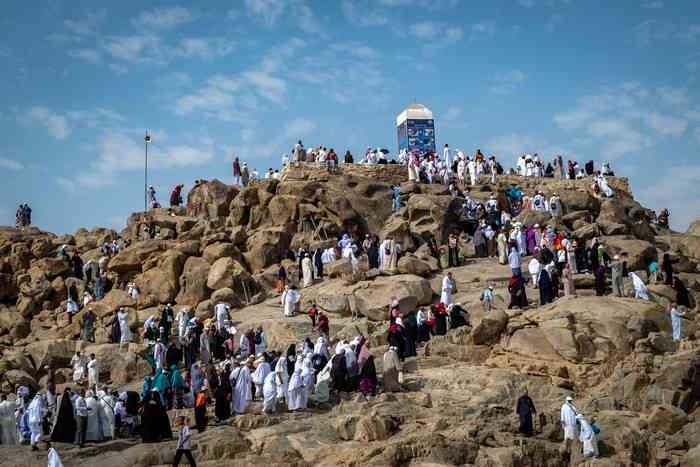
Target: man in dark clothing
[(166, 320), (525, 409), (65, 428)]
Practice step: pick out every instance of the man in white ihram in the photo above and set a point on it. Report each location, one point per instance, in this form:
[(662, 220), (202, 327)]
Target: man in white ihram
[(568, 420)]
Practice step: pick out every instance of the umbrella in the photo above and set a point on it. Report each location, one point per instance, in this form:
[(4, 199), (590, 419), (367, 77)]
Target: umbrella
[(384, 151)]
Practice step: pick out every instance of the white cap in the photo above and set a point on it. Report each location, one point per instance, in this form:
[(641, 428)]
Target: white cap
[(569, 399)]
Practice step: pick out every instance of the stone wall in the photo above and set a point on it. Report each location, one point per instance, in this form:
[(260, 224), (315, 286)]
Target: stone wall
[(396, 173), (316, 171)]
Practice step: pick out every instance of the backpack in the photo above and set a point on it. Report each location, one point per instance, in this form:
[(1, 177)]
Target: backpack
[(258, 339), (387, 250)]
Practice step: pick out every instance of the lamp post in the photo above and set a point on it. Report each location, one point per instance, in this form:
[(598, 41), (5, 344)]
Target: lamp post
[(146, 140)]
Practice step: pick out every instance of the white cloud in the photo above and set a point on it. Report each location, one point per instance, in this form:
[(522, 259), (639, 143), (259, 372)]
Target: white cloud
[(88, 55), (665, 124), (164, 18), (88, 25), (651, 31), (235, 97), (10, 164), (653, 5), (453, 118), (425, 30), (356, 49), (627, 119), (266, 11), (363, 14), (57, 125), (298, 128), (436, 34), (118, 152), (507, 83), (204, 48)]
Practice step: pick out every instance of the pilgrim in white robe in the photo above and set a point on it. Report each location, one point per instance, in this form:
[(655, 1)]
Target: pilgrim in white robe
[(124, 330), (78, 365), (677, 323), (295, 393), (307, 270), (182, 318), (240, 382), (93, 373), (447, 288), (8, 425), (307, 378), (568, 420), (588, 438), (36, 412), (259, 376), (290, 298), (604, 187), (321, 348), (221, 310), (281, 378), (388, 255), (54, 459), (269, 392), (159, 355), (640, 289), (107, 404), (94, 430)]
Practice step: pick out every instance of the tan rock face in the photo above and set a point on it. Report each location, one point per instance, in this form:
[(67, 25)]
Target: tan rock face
[(193, 282), (210, 199), (131, 259)]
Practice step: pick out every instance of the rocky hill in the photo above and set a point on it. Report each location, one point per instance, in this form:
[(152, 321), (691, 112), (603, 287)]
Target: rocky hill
[(614, 355)]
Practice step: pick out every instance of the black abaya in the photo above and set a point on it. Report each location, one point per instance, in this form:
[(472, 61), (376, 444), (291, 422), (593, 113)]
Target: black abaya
[(525, 408), (222, 409), (65, 426), (339, 373), (545, 286)]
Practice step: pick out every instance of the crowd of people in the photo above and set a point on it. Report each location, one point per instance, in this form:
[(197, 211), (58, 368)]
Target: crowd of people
[(197, 362)]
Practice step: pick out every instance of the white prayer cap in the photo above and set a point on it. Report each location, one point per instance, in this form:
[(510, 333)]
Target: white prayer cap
[(569, 399), (616, 257)]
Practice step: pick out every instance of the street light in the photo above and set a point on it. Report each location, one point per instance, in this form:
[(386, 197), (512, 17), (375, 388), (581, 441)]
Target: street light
[(146, 140)]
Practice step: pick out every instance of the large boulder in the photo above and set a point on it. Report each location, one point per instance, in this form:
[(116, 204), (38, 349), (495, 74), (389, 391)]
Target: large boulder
[(219, 250), (398, 228), (210, 199), (487, 326), (111, 302), (52, 353), (639, 253), (586, 329), (161, 284), (666, 418), (284, 209), (265, 247), (130, 259), (411, 264), (193, 282), (229, 273), (431, 215), (529, 217), (371, 299), (50, 267)]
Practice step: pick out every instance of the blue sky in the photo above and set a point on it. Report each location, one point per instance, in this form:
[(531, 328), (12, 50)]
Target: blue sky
[(82, 80)]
